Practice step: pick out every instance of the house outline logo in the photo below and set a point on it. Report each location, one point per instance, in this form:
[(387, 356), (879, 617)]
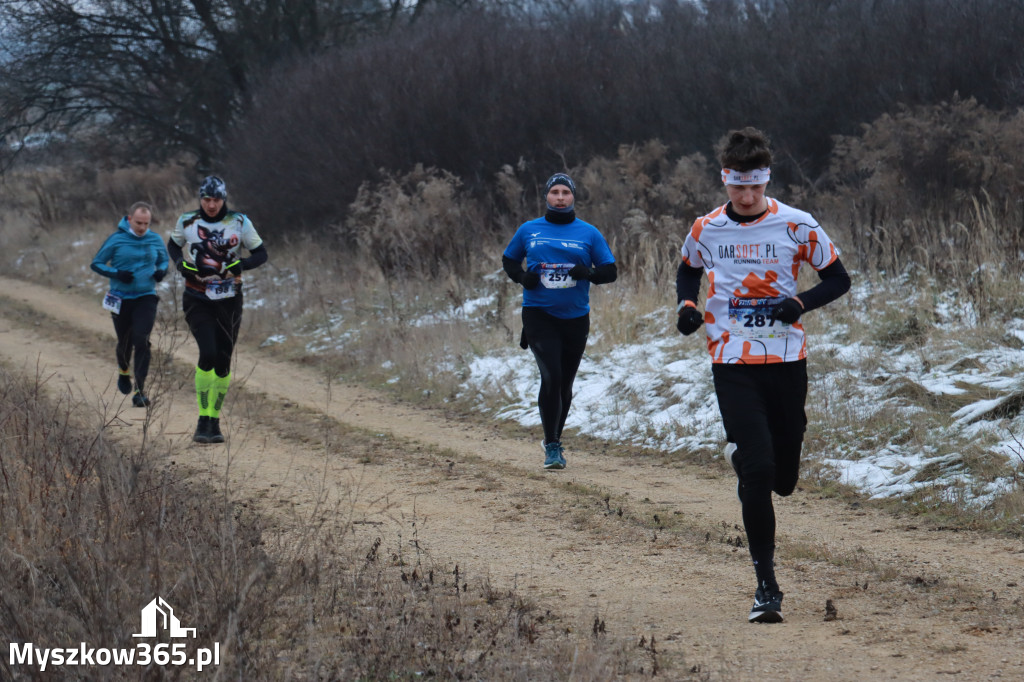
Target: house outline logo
[(158, 615)]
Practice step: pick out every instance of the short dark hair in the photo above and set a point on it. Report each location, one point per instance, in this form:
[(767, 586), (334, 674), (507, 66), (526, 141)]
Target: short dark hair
[(745, 150), (137, 205)]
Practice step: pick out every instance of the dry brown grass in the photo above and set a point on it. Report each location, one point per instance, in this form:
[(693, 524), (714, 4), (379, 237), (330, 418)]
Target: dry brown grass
[(92, 533)]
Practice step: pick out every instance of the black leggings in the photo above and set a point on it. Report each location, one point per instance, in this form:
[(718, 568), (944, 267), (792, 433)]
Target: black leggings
[(558, 346), (133, 326), (215, 326), (762, 409)]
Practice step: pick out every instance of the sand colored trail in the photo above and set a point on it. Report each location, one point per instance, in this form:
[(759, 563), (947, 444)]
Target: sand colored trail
[(913, 603)]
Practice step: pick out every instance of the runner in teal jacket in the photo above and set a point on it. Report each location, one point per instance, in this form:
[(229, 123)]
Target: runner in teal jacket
[(135, 259), (127, 253)]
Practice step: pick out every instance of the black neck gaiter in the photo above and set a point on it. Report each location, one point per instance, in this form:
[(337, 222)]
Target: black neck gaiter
[(560, 217)]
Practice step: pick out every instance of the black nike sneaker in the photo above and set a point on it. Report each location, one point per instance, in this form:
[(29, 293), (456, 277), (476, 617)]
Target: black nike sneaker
[(767, 605), (124, 383), (139, 400)]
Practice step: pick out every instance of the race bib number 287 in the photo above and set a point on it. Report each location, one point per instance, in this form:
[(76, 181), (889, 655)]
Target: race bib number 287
[(750, 318)]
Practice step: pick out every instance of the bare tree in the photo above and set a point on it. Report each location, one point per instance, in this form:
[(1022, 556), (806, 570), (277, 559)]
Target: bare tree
[(157, 77)]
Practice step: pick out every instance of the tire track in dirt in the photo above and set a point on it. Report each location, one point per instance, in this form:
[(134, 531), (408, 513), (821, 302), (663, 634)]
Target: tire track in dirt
[(914, 604)]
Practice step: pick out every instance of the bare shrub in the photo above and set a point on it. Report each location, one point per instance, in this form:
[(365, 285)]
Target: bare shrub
[(473, 90), (644, 203), (932, 190), (417, 225), (95, 536), (63, 194)]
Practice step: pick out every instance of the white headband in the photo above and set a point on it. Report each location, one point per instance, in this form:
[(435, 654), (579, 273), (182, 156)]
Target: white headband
[(753, 177)]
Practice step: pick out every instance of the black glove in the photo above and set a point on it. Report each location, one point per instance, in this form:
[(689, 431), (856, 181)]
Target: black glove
[(235, 268), (788, 311), (187, 270), (158, 275), (581, 272), (690, 320), (529, 280), (125, 276)]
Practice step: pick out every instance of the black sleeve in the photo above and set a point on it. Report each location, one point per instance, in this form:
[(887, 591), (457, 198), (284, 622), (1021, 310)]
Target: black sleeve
[(513, 268), (688, 283), (257, 257), (174, 251), (604, 274), (835, 282)]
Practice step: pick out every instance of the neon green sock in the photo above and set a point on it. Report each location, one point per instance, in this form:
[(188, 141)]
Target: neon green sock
[(204, 388), (217, 392)]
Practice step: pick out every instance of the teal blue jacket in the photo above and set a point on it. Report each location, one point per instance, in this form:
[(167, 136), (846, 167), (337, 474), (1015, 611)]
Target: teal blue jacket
[(142, 256)]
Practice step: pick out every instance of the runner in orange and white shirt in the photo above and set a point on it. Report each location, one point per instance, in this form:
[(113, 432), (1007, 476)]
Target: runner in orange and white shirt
[(751, 250)]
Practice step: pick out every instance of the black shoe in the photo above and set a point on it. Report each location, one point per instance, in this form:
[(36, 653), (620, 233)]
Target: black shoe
[(139, 400), (202, 434), (767, 605), (124, 383), (214, 431)]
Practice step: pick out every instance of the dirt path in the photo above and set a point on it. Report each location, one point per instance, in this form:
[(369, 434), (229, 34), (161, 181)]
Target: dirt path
[(913, 604)]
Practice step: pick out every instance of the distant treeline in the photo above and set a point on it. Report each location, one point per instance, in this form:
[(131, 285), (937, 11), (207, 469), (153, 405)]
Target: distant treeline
[(472, 90)]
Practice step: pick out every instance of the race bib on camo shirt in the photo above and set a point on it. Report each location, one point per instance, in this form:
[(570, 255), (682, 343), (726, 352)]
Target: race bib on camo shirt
[(750, 268)]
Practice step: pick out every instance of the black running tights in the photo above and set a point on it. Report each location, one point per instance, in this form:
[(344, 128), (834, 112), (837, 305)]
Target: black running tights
[(762, 410), (133, 326), (214, 326), (558, 346)]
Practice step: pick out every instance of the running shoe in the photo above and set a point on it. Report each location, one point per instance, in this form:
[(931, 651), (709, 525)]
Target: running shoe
[(139, 400), (202, 434), (767, 605), (213, 431), (124, 382), (553, 456)]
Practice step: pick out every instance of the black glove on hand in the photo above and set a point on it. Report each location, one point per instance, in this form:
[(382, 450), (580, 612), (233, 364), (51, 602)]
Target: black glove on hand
[(125, 276), (787, 311), (690, 320), (529, 280), (158, 275), (187, 271), (235, 269), (580, 272)]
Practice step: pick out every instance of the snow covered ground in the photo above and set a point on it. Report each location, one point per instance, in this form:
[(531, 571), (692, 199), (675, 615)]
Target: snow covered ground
[(659, 394)]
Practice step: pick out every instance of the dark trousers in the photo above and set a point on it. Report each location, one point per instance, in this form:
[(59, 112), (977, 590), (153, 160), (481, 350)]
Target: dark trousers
[(133, 326), (214, 326), (762, 409), (558, 346)]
